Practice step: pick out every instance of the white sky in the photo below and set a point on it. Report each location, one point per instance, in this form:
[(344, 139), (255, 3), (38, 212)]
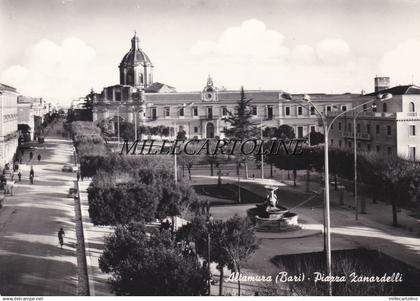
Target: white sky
[(59, 49)]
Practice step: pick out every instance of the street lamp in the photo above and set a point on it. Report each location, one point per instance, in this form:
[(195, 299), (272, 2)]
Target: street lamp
[(209, 221), (327, 127), (262, 148), (118, 125)]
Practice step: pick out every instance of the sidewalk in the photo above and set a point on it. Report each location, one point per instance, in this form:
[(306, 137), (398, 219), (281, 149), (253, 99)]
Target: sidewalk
[(94, 244)]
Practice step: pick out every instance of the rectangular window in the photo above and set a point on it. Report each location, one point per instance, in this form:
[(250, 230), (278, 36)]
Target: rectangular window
[(210, 113), (374, 108), (254, 110), (378, 148), (389, 150), (224, 111), (300, 132), (312, 128), (154, 113), (287, 111), (328, 109), (167, 111), (196, 129), (378, 129), (312, 111), (300, 111), (412, 130), (388, 130), (270, 112), (181, 112), (195, 111), (343, 108), (412, 153), (384, 107), (368, 128)]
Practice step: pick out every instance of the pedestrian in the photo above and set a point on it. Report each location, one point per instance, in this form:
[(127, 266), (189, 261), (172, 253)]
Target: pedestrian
[(61, 235), (39, 157), (20, 175), (31, 155), (31, 175), (208, 207), (78, 176)]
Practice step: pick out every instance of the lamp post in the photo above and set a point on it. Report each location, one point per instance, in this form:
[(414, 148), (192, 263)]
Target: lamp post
[(209, 221), (327, 127), (262, 147), (118, 125)]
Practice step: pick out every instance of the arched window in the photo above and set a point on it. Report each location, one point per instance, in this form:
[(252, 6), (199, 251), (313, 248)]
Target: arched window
[(141, 78), (411, 107)]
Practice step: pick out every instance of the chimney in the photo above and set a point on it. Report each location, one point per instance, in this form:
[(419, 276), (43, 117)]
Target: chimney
[(382, 83)]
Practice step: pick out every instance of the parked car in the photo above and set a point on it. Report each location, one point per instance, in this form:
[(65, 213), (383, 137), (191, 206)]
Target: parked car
[(67, 168)]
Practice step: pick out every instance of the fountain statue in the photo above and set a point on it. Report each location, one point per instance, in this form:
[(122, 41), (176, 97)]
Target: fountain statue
[(271, 217)]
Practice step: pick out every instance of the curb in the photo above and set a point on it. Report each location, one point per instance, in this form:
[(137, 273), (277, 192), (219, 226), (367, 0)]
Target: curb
[(82, 243), (87, 254)]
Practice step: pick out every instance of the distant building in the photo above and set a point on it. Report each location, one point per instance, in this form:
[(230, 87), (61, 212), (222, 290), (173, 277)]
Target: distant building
[(389, 128), (26, 114), (200, 114), (8, 123)]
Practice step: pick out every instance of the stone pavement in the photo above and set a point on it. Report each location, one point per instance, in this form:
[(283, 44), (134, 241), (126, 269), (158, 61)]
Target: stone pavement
[(31, 261), (372, 230), (94, 244)]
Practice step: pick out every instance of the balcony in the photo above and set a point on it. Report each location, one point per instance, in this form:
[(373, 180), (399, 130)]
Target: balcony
[(359, 136)]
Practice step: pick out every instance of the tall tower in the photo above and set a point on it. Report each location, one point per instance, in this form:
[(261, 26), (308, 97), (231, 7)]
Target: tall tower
[(136, 69)]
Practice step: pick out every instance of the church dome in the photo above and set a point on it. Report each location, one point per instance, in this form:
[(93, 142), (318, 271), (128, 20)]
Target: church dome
[(135, 56)]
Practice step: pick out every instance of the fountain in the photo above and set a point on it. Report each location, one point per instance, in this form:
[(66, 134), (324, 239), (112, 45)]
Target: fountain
[(271, 217)]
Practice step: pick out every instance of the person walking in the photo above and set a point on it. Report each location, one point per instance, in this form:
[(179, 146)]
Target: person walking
[(31, 155), (61, 235), (31, 175), (20, 175), (39, 157)]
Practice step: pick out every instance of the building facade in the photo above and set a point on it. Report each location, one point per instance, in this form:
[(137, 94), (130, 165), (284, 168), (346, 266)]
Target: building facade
[(387, 128), (8, 124), (201, 114)]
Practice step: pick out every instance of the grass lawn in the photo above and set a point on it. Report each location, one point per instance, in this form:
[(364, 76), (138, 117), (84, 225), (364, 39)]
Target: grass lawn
[(362, 262)]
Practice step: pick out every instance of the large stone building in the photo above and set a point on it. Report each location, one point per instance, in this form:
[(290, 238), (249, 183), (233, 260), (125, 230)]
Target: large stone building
[(8, 124), (388, 128), (200, 113)]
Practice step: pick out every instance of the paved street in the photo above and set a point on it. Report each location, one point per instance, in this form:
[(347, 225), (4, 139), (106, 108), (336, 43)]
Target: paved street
[(31, 261)]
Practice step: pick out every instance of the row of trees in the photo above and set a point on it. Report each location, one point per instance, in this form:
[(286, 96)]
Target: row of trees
[(109, 128), (391, 179)]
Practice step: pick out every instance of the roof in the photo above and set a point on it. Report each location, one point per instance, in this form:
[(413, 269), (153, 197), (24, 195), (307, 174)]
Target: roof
[(400, 90), (157, 87), (7, 88), (135, 56)]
